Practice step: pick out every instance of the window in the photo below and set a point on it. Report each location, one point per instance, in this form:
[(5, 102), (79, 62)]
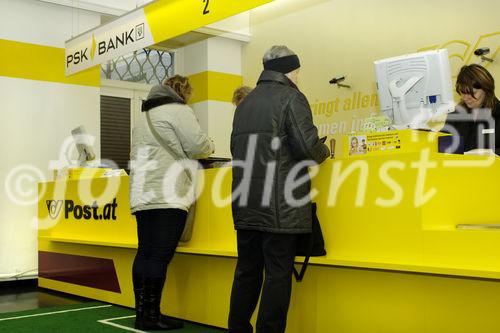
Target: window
[(115, 130), (144, 66)]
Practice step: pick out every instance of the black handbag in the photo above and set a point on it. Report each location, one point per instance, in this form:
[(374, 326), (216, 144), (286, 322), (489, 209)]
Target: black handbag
[(310, 245)]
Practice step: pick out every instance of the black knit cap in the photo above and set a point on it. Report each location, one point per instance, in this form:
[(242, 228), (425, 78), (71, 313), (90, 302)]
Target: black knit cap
[(283, 65)]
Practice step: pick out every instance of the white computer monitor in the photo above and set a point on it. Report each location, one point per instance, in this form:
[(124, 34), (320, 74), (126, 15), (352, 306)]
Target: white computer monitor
[(415, 89), (83, 146)]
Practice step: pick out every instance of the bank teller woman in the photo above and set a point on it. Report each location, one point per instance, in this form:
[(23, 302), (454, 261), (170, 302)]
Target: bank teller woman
[(476, 119)]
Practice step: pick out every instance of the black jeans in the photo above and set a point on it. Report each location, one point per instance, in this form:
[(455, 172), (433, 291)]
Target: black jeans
[(258, 251), (158, 231)]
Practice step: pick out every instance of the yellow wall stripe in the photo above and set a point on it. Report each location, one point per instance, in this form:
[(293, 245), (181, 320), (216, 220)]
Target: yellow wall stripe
[(41, 63), (214, 86)]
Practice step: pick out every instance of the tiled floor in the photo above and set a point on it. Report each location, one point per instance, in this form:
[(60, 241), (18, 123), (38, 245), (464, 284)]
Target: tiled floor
[(25, 295)]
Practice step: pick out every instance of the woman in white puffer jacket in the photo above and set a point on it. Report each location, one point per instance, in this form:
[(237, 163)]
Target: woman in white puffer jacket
[(166, 134)]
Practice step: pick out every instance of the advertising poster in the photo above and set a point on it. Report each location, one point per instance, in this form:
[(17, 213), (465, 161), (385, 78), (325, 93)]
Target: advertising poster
[(383, 142), (357, 145)]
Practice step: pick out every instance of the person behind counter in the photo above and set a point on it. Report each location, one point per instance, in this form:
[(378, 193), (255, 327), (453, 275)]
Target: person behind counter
[(275, 116), (167, 131), (477, 118)]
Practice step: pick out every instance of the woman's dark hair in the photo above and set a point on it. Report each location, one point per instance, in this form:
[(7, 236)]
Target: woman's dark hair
[(180, 85), (476, 77), (240, 94)]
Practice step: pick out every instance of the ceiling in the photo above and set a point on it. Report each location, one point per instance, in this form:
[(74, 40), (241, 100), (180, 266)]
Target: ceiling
[(106, 7)]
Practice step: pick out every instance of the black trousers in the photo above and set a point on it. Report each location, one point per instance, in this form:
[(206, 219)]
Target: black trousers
[(158, 231), (258, 252)]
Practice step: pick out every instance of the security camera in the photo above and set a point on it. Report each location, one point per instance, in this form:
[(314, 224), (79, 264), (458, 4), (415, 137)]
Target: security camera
[(482, 51), (337, 79)]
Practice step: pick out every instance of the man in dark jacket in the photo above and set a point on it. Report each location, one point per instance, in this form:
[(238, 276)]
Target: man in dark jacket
[(273, 143)]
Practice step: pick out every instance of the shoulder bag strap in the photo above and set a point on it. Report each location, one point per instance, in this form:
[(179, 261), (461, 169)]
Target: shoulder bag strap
[(158, 139)]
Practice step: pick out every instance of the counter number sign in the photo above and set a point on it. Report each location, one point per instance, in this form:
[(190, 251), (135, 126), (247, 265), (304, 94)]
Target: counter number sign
[(206, 10)]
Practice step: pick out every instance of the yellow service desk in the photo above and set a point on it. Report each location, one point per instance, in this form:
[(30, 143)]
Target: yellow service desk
[(396, 261)]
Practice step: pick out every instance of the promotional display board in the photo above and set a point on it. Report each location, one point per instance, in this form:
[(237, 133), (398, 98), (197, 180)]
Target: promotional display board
[(388, 143)]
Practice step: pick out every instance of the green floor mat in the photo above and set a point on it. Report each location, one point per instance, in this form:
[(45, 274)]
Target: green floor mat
[(84, 318)]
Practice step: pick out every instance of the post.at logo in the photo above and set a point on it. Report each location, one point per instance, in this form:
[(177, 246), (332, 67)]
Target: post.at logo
[(73, 211), (54, 208)]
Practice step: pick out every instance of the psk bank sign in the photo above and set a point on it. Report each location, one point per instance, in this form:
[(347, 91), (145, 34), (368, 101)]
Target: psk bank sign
[(122, 36)]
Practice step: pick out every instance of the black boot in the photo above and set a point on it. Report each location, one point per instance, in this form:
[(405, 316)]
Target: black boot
[(152, 318), (139, 290)]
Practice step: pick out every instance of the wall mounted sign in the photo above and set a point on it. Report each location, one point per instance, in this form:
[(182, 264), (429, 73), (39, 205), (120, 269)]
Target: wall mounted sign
[(151, 24)]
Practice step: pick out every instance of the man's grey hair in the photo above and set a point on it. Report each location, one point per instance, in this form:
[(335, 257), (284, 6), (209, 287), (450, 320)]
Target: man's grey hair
[(277, 51)]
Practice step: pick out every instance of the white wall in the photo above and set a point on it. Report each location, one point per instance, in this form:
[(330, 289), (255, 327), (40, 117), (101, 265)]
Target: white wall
[(216, 119), (234, 27), (37, 117), (224, 55), (35, 22), (216, 54)]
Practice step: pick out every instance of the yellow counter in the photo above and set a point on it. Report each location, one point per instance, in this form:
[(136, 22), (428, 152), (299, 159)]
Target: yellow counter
[(396, 261)]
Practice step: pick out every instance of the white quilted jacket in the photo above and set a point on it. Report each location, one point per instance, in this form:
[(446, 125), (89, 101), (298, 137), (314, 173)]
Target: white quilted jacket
[(154, 183)]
